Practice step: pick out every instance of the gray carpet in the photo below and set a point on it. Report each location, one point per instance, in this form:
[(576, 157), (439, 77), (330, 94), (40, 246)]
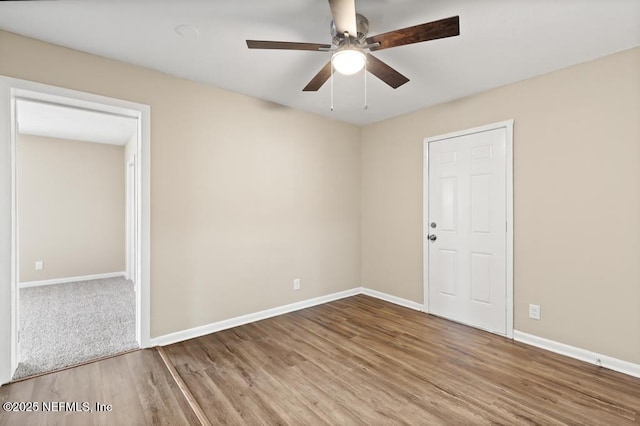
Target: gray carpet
[(67, 324)]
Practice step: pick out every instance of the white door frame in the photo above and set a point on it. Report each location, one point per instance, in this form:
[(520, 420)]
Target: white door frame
[(10, 89), (508, 126), (130, 219)]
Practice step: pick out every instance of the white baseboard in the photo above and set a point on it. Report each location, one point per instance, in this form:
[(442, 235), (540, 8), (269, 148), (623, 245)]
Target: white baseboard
[(179, 336), (71, 279), (393, 299), (202, 330), (581, 354)]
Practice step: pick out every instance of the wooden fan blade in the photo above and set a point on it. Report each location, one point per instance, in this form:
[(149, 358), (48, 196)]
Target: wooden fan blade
[(286, 45), (384, 72), (344, 16), (447, 27), (319, 79)]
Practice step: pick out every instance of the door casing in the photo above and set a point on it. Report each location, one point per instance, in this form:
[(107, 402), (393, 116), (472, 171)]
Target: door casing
[(508, 126), (10, 89)]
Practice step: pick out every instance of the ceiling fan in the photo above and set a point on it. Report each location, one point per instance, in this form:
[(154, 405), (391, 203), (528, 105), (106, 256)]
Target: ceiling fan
[(351, 46)]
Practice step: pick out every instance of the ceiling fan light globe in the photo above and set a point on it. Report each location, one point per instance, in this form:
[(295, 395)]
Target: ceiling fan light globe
[(348, 61)]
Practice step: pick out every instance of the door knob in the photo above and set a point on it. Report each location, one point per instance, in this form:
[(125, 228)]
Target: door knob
[(432, 237)]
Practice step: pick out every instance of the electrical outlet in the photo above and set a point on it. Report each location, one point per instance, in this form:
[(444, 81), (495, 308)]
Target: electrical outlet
[(534, 312), (39, 265), (296, 284)]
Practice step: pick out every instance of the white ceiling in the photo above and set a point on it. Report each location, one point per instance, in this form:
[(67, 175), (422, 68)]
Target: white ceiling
[(501, 41), (57, 121)]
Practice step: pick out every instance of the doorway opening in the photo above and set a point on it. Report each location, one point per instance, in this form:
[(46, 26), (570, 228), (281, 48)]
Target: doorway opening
[(76, 293), (108, 276)]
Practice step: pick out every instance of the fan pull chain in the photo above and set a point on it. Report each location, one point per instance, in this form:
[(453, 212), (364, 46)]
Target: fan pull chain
[(365, 85), (332, 85)]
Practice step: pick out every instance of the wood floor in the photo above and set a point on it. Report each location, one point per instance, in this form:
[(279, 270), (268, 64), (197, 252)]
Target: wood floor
[(354, 361), (138, 386)]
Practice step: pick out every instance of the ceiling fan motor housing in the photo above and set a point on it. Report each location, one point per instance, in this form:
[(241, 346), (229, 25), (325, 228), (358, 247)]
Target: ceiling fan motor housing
[(362, 25)]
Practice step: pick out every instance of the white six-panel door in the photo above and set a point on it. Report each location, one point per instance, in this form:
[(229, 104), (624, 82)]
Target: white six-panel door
[(466, 229)]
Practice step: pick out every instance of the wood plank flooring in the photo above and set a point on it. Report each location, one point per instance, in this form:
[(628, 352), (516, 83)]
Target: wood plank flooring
[(354, 361), (137, 385), (364, 361)]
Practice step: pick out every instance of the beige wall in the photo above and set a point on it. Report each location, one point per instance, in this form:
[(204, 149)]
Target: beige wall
[(245, 195), (71, 212), (577, 200), (241, 206)]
